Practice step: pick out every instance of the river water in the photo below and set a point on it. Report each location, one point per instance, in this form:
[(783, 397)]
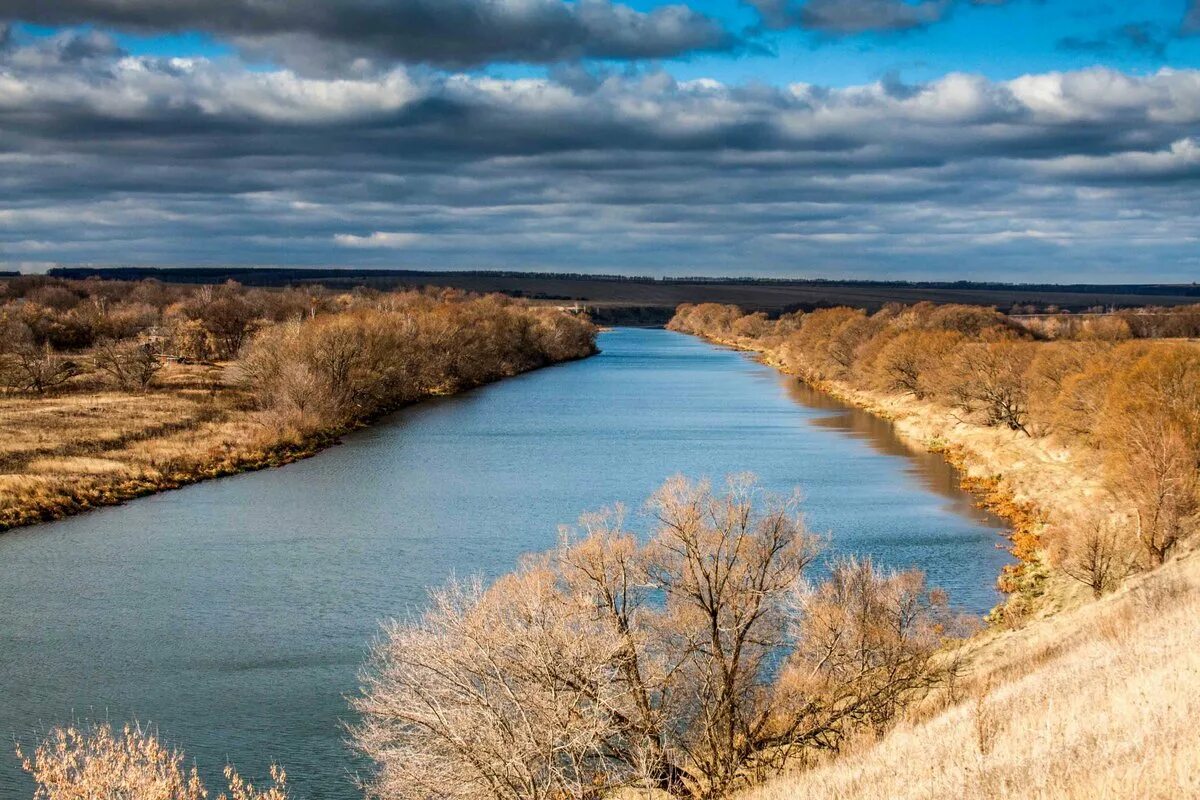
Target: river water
[(234, 614)]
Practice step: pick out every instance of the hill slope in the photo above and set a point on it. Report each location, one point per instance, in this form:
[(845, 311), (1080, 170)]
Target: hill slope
[(1097, 702)]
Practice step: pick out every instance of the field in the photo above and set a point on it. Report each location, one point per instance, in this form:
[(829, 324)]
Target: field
[(67, 452), (112, 390), (651, 300)]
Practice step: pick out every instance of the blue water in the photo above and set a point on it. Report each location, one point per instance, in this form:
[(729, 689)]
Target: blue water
[(234, 614)]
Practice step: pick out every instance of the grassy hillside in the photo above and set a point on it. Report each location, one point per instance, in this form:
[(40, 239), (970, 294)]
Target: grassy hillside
[(1097, 702)]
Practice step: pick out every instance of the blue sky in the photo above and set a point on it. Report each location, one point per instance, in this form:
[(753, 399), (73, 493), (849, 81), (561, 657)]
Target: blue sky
[(601, 135), (998, 41)]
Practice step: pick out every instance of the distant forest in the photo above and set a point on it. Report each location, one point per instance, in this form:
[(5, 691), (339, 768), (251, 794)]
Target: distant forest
[(648, 300)]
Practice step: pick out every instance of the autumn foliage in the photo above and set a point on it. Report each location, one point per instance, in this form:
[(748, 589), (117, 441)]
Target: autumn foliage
[(1105, 386), (333, 370), (111, 390)]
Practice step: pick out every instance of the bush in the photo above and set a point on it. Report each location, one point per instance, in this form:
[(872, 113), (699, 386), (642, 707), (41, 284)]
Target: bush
[(1136, 401), (335, 370), (98, 763)]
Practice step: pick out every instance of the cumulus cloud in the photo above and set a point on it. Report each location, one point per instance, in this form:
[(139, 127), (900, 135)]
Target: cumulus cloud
[(116, 158), (448, 33)]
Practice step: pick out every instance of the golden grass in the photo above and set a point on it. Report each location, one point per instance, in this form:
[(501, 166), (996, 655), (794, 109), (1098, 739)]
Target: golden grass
[(68, 452), (1097, 702)]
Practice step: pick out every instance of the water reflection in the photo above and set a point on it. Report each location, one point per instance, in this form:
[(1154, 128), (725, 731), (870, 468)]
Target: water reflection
[(932, 470)]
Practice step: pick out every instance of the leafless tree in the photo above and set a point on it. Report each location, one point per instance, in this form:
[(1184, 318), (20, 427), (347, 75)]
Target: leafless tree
[(1158, 477), (38, 368), (992, 377), (1096, 551), (685, 664), (98, 763), (131, 365)]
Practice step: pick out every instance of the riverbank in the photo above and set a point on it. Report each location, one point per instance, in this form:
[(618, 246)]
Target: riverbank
[(66, 454), (1029, 482), (1080, 691), (106, 396)]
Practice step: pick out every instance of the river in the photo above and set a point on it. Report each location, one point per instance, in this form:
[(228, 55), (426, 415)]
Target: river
[(234, 614)]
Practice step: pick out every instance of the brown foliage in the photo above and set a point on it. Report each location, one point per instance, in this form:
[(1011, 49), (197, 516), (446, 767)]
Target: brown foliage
[(335, 370), (1096, 551), (1136, 401), (130, 365)]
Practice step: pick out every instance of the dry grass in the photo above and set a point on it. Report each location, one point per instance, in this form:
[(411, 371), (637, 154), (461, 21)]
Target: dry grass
[(1096, 702), (65, 453)]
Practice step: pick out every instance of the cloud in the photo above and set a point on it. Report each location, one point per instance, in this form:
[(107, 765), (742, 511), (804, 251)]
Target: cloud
[(1180, 162), (853, 17), (844, 17), (447, 33), (117, 158), (1144, 37), (378, 239)]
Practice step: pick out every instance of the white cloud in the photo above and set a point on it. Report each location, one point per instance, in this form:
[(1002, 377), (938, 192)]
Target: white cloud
[(208, 162), (383, 239)]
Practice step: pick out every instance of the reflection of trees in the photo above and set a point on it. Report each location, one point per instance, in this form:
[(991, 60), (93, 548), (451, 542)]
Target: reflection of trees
[(933, 471)]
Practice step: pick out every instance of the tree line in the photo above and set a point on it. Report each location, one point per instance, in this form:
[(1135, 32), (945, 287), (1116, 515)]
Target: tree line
[(313, 357), (1133, 402), (334, 370)]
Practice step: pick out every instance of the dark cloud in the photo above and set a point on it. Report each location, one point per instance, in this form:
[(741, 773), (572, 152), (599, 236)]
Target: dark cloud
[(450, 33), (133, 159), (845, 17), (851, 17), (1191, 19), (1143, 37)]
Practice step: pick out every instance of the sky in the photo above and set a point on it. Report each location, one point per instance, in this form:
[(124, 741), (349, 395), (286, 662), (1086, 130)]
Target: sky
[(1008, 140)]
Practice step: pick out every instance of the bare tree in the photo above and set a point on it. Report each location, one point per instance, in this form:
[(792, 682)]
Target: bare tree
[(1157, 475), (38, 369), (1095, 551), (131, 365), (683, 664), (992, 377)]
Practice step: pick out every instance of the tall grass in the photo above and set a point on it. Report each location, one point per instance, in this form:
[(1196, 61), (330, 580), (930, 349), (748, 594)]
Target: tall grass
[(1099, 702)]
